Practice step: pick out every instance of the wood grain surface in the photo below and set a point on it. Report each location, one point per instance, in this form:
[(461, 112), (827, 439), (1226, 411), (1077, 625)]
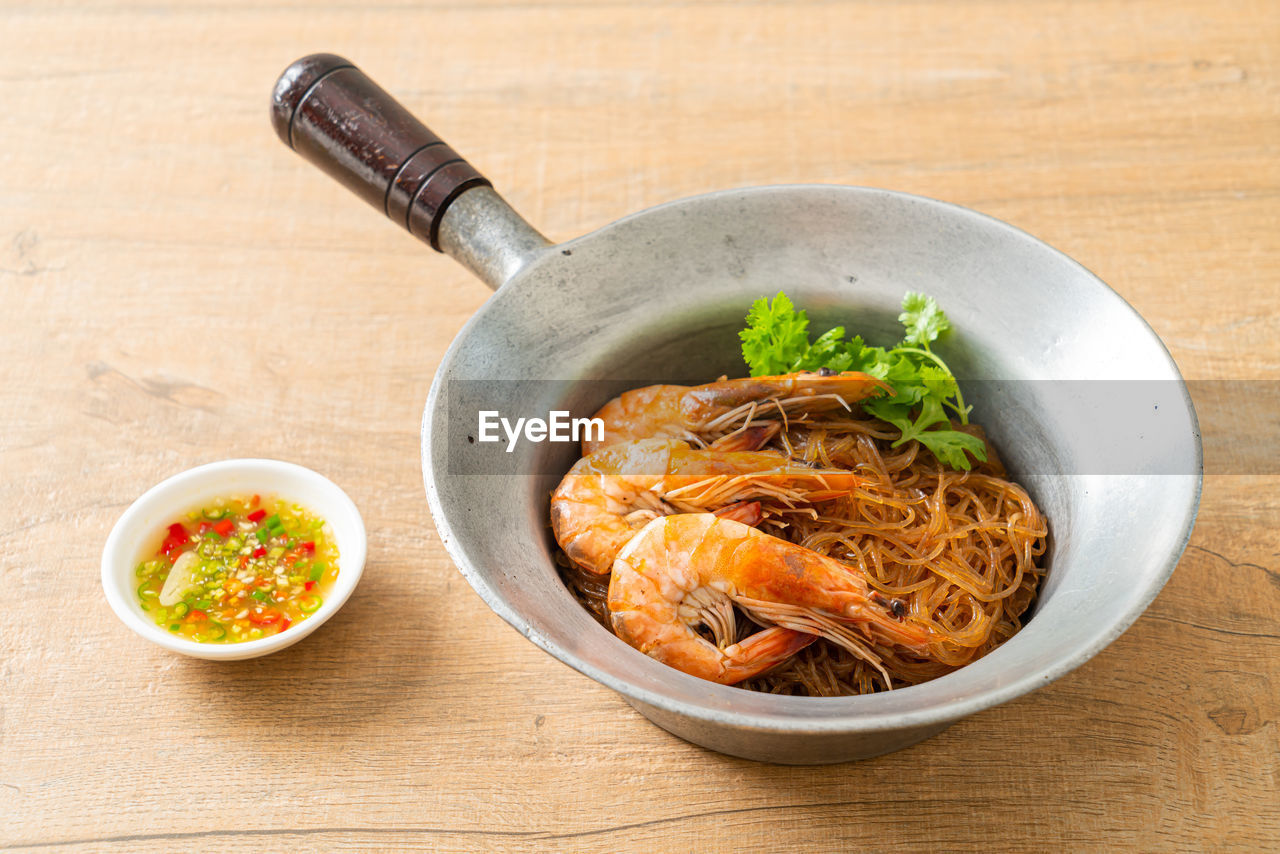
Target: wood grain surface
[(178, 288)]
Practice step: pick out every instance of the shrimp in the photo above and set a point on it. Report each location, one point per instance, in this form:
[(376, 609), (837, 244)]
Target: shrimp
[(607, 496), (689, 569), (693, 413)]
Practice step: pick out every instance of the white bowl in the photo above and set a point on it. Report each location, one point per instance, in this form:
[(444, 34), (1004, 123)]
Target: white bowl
[(161, 504)]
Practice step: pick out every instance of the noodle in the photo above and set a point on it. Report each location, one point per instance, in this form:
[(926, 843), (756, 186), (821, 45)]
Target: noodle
[(957, 549)]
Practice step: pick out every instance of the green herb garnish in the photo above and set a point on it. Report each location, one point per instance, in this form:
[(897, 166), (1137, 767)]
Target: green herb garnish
[(776, 341)]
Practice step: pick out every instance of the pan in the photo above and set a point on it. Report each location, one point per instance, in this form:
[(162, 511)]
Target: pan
[(659, 296)]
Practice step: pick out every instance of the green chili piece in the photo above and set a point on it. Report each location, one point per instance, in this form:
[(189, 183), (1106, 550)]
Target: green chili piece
[(147, 594), (216, 631), (272, 520), (203, 604), (317, 570), (212, 535), (260, 596), (175, 627), (310, 604), (180, 609), (262, 534), (215, 515)]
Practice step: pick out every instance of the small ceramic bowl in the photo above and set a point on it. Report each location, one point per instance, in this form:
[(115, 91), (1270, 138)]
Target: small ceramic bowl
[(158, 506)]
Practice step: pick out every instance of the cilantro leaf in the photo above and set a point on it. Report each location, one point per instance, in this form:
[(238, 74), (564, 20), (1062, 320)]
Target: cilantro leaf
[(949, 446), (827, 352), (776, 341), (923, 318), (776, 336)]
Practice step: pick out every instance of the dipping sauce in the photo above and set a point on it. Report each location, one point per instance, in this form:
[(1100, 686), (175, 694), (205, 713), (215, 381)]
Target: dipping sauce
[(238, 569)]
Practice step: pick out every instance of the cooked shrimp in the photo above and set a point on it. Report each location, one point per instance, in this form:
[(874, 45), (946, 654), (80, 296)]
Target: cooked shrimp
[(698, 413), (684, 570), (609, 495)]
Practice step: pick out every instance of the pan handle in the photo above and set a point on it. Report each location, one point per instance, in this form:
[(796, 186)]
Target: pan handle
[(331, 113)]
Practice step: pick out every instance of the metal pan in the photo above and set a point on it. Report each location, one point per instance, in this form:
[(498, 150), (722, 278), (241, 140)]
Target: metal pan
[(660, 295)]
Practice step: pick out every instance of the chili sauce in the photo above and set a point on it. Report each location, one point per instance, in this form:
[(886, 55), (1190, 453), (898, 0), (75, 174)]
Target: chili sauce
[(238, 569)]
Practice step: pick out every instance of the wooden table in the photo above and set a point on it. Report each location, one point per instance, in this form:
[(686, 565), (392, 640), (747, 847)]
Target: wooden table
[(178, 288)]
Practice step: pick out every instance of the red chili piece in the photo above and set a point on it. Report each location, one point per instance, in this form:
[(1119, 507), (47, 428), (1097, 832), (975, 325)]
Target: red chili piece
[(308, 547), (176, 539), (225, 527), (260, 551), (257, 515)]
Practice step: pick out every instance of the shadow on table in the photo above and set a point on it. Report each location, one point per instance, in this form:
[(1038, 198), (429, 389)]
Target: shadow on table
[(364, 665)]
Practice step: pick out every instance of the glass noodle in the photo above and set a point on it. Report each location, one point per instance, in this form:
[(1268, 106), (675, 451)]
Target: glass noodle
[(958, 549)]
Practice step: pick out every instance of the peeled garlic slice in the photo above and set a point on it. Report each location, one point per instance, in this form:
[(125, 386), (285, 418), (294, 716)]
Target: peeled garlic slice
[(181, 579)]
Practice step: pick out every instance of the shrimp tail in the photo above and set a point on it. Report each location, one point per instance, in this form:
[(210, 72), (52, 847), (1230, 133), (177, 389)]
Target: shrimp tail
[(760, 652)]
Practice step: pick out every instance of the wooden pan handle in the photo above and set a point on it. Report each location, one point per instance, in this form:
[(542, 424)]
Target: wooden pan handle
[(327, 110)]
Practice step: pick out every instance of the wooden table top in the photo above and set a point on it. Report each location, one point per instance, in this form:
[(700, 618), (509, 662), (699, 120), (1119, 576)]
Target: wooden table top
[(179, 288)]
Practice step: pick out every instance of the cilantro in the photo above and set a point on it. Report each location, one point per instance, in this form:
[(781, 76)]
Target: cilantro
[(923, 318), (776, 341), (827, 352), (776, 336)]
